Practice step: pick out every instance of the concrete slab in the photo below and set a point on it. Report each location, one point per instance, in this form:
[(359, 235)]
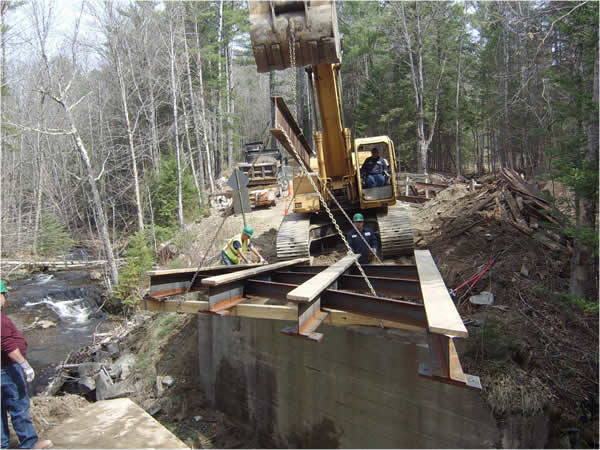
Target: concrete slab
[(118, 423)]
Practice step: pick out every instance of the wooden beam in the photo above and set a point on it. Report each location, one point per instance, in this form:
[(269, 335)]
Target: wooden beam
[(250, 310), (249, 273), (313, 287), (339, 318), (288, 312), (442, 316), (201, 271)]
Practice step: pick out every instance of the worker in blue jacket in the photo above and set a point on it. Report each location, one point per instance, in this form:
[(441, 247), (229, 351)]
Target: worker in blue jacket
[(375, 170), (356, 242)]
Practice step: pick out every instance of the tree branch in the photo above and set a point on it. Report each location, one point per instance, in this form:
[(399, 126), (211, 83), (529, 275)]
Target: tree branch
[(48, 131)]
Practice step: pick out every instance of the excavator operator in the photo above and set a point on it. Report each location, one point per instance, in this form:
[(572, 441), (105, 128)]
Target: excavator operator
[(375, 169)]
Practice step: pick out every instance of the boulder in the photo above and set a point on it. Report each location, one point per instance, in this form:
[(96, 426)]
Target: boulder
[(86, 384), (119, 390), (104, 386), (484, 298), (88, 369), (95, 275), (123, 366), (113, 349), (168, 381), (101, 356)]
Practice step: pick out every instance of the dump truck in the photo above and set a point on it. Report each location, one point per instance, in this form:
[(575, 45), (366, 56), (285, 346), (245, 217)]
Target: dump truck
[(262, 166), (294, 34)]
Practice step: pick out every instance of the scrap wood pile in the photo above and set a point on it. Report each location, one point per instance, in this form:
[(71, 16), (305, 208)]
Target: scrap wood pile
[(504, 196)]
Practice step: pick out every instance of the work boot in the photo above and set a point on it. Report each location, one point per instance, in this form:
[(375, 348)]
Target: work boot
[(43, 444)]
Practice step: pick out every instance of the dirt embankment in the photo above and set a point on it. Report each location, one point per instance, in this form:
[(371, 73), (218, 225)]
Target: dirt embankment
[(535, 348)]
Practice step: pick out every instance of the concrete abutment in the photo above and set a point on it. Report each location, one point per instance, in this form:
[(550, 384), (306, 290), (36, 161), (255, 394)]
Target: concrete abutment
[(358, 388)]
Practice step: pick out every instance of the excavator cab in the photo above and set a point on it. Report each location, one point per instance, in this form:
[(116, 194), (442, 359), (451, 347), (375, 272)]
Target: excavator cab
[(309, 25), (382, 191)]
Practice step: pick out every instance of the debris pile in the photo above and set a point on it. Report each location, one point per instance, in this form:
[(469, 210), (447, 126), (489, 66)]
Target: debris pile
[(504, 196)]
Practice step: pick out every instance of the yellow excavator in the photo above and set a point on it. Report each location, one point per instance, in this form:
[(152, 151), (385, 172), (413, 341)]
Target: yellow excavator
[(294, 34)]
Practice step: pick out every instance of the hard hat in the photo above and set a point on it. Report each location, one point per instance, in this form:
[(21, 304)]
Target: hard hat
[(358, 217), (3, 287), (248, 230)]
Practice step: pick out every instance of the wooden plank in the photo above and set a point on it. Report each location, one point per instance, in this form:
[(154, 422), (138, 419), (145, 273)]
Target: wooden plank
[(249, 273), (442, 316), (456, 371), (311, 288), (514, 209)]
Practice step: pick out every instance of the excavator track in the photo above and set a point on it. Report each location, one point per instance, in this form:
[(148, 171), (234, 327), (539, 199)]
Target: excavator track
[(395, 232), (293, 237)]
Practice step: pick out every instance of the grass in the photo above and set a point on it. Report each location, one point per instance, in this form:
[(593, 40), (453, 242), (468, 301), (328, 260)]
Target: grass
[(515, 391), (566, 298), (491, 343), (167, 323)]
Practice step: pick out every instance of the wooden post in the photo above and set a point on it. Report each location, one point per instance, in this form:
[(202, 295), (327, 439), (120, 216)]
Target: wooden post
[(406, 186)]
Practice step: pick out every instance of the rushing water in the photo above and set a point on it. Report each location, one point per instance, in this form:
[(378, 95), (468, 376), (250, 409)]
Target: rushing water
[(71, 301)]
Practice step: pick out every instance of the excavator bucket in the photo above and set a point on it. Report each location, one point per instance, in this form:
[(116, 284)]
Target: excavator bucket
[(311, 25)]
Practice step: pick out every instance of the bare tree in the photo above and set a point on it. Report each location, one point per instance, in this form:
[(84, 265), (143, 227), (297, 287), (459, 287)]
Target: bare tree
[(53, 87), (172, 56), (413, 43)]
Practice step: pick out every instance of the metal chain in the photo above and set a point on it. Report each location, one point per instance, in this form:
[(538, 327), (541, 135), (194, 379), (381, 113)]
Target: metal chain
[(312, 182), (292, 48), (328, 210)]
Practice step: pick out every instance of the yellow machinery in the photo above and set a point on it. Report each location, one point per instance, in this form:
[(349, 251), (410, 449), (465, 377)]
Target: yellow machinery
[(304, 33)]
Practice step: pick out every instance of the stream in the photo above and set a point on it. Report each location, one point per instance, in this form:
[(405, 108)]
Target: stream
[(68, 299)]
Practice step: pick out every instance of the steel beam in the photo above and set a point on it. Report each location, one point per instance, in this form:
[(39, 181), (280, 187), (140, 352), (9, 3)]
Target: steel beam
[(164, 283), (284, 120), (408, 272), (223, 297), (310, 317), (378, 307), (392, 286), (444, 365)]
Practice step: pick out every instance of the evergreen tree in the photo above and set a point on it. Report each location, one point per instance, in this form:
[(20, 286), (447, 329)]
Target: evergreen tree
[(132, 278)]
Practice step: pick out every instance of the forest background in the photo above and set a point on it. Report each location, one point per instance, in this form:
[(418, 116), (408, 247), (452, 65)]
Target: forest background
[(117, 129)]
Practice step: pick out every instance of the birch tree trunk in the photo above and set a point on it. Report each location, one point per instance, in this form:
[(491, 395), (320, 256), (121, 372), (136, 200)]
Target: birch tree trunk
[(458, 78), (195, 116), (38, 192), (211, 179), (130, 131), (220, 140), (229, 109), (172, 57), (99, 210), (418, 81)]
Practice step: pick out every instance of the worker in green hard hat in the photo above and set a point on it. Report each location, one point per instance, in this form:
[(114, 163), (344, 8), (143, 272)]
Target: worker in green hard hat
[(233, 252), (358, 244), (15, 373)]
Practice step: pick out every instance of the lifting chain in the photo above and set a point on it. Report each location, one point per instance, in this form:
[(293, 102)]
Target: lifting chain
[(292, 47)]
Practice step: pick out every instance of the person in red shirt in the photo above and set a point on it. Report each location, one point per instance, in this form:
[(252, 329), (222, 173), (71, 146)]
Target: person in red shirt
[(15, 374)]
